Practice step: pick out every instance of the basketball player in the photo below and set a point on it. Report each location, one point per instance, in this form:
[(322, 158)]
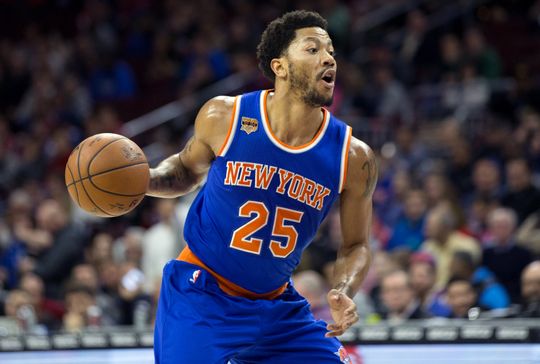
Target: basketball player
[(275, 161)]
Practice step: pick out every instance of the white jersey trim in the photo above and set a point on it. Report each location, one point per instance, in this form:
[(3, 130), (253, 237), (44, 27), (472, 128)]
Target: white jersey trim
[(345, 158)]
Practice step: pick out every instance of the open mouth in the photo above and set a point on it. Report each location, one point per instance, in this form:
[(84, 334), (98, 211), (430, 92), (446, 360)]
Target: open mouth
[(329, 77)]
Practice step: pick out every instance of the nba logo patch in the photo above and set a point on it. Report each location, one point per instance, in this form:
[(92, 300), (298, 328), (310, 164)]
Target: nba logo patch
[(195, 275), (343, 356), (249, 125)]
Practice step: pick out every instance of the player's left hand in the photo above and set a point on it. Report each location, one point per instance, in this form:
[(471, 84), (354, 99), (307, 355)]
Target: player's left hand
[(343, 312)]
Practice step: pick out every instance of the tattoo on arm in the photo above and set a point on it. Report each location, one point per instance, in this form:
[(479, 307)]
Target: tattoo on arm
[(370, 167), (171, 179)]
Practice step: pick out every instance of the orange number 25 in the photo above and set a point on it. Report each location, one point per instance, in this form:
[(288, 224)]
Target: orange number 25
[(242, 239)]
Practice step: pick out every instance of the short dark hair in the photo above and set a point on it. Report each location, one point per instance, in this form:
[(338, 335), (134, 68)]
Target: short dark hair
[(456, 279), (279, 34)]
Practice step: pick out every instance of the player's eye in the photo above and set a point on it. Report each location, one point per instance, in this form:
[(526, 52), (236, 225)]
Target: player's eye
[(312, 50), (332, 53)]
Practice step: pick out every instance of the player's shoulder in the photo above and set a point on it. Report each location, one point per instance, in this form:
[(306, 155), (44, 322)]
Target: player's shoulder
[(359, 150), (218, 108), (214, 120)]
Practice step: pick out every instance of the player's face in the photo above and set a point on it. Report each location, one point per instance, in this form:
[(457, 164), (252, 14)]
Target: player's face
[(312, 67)]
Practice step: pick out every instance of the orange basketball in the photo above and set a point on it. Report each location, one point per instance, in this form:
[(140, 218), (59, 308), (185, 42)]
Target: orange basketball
[(107, 175)]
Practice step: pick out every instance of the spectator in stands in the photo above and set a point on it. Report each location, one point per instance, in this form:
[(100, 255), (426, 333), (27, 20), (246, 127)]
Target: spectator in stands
[(521, 195), (339, 21), (86, 275), (204, 63), (484, 58), (109, 278), (49, 312), (393, 101), (161, 243), (19, 211), (460, 164), (490, 293), (528, 234), (417, 49), (132, 295), (100, 249), (19, 307), (438, 189), (398, 298), (422, 273), (410, 151), (9, 161), (502, 250), (530, 290), (409, 229), (312, 287), (65, 249), (444, 240), (128, 248), (477, 217), (112, 79), (462, 299), (81, 309), (486, 182), (391, 195), (473, 96), (451, 56), (383, 263)]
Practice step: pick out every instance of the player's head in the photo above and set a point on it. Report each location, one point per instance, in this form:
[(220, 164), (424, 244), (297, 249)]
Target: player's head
[(296, 52)]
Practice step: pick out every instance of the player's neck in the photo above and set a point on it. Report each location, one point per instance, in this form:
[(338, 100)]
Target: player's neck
[(292, 121)]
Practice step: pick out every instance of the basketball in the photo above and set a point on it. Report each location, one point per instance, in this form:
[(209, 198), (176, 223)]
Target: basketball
[(107, 175)]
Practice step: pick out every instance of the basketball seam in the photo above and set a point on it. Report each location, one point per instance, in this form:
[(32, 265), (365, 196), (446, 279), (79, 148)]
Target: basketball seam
[(103, 172), (112, 193), (99, 151), (74, 183), (82, 184)]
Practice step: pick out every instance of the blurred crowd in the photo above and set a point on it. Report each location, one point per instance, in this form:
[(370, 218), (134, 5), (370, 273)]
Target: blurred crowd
[(449, 107)]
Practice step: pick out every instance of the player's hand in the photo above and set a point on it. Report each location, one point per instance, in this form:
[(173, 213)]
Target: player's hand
[(343, 312)]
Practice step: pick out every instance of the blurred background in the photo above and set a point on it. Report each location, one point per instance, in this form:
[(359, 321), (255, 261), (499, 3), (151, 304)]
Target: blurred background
[(447, 93)]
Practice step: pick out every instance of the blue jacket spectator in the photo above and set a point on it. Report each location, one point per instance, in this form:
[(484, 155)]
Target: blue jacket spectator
[(409, 230), (491, 294)]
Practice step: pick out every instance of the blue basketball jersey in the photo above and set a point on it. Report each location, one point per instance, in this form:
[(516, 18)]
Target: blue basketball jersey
[(263, 200)]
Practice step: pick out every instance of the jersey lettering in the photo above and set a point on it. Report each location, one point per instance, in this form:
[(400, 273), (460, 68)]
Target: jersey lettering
[(260, 176)]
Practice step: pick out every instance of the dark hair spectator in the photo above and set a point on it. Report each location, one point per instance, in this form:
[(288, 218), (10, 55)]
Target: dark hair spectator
[(490, 293)]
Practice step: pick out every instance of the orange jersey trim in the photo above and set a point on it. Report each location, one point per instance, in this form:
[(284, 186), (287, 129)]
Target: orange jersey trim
[(312, 141), (227, 286), (346, 158), (231, 127)]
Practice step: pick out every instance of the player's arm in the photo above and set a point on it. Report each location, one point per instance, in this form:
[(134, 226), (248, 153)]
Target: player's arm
[(354, 255), (181, 173)]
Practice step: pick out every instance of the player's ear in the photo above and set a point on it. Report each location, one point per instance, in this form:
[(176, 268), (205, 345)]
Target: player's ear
[(279, 67)]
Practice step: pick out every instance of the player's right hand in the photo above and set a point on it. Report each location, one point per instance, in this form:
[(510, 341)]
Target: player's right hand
[(343, 310)]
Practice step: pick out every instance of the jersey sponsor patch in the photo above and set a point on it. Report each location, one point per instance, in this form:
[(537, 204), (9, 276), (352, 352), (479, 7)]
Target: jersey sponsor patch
[(249, 125), (195, 276)]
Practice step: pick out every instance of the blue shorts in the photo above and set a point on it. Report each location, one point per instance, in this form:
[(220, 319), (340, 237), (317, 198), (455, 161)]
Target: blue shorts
[(198, 323)]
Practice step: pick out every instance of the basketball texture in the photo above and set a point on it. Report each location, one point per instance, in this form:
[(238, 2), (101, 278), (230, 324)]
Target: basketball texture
[(107, 175)]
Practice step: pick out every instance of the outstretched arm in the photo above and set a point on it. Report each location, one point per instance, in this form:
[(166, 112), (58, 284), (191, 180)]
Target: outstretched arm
[(181, 173), (354, 255)]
